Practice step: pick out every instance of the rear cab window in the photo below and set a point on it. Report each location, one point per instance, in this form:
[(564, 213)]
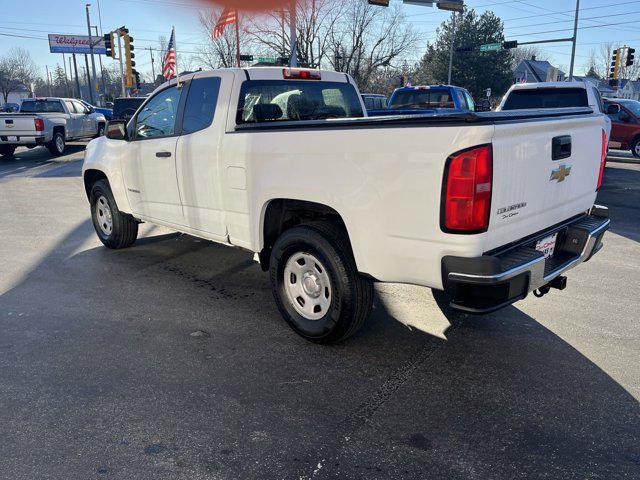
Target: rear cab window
[(422, 98), (546, 98), (296, 100), (41, 106)]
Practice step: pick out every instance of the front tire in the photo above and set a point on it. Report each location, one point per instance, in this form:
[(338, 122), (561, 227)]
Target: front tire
[(635, 148), (57, 145), (114, 228), (7, 150), (101, 128), (316, 284)]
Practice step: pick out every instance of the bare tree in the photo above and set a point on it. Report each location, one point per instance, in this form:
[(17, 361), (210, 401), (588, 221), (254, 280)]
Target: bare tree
[(315, 20), (366, 38), (16, 68)]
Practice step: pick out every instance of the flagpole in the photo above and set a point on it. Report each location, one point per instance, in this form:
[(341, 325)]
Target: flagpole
[(237, 38), (175, 55)]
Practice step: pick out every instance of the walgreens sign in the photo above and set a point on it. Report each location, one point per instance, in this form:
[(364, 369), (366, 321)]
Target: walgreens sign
[(59, 43)]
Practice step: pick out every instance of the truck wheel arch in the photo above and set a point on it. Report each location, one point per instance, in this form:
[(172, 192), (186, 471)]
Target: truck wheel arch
[(90, 177), (281, 214)]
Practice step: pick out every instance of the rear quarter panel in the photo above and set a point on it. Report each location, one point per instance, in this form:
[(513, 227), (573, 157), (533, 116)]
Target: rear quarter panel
[(384, 182)]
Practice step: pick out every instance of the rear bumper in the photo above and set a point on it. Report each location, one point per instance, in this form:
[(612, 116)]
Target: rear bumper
[(504, 276), (22, 140)]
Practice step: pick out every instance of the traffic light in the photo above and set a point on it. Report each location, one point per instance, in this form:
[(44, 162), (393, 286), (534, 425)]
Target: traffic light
[(128, 57), (630, 55), (109, 43), (510, 44), (615, 64), (136, 78)]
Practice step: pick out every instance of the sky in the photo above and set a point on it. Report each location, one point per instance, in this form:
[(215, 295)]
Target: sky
[(602, 21)]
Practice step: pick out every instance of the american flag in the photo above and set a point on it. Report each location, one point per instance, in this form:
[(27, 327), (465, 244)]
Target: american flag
[(227, 17), (169, 63)]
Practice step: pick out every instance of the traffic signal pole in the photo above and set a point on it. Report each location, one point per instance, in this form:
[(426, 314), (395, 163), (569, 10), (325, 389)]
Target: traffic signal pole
[(453, 41), (574, 40), (93, 61)]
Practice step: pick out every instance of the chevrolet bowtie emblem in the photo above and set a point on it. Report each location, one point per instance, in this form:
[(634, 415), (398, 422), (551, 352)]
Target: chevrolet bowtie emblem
[(560, 173)]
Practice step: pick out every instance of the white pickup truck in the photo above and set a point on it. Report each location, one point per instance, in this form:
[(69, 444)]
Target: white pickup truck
[(284, 162), (49, 122)]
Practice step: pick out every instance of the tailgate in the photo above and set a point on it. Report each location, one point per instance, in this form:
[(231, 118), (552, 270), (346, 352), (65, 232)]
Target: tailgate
[(17, 125), (531, 190)]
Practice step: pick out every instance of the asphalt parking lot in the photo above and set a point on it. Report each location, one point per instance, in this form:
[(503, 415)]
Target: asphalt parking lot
[(169, 360)]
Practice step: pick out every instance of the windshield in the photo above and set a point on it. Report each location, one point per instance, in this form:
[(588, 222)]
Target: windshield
[(286, 100), (427, 98), (546, 98), (41, 106), (633, 106)]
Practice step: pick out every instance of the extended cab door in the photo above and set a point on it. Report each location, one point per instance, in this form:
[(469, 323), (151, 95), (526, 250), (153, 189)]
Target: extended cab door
[(150, 170), (197, 161), (75, 124)]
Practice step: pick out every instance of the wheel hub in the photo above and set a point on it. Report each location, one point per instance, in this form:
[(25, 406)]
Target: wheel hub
[(103, 216), (307, 285)]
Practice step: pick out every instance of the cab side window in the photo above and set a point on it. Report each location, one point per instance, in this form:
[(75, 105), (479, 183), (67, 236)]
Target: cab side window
[(80, 108), (200, 106), (70, 106), (158, 117)]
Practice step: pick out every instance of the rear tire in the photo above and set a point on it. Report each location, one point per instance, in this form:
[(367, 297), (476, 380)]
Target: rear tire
[(635, 147), (316, 284), (57, 145), (114, 228), (7, 151)]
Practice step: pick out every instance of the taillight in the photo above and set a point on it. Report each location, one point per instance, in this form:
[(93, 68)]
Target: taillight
[(39, 123), (299, 74), (603, 159), (467, 191)]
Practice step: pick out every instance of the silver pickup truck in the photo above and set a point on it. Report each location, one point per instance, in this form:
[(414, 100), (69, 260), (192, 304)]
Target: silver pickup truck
[(49, 122)]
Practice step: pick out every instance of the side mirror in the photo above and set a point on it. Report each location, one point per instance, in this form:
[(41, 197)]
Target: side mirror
[(613, 109), (117, 130)]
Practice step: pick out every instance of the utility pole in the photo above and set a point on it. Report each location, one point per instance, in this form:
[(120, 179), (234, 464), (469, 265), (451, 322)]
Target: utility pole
[(293, 61), (75, 69), (153, 70), (574, 40), (453, 41), (104, 89), (93, 62), (86, 63), (46, 67)]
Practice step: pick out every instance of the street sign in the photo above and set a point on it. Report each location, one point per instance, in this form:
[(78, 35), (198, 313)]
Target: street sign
[(488, 47), (59, 43), (267, 59), (451, 5)]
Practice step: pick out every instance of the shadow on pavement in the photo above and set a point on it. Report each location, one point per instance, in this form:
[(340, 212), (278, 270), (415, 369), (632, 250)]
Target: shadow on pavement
[(170, 360), (30, 162)]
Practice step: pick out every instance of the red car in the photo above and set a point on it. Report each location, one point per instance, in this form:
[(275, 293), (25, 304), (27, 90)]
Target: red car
[(625, 125)]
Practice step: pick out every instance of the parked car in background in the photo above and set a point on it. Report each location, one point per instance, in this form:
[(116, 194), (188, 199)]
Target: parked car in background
[(555, 95), (125, 107), (286, 164), (10, 107), (48, 122), (107, 112), (374, 101), (625, 118), (423, 99)]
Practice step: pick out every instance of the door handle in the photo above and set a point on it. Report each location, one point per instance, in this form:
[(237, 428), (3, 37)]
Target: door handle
[(163, 154)]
